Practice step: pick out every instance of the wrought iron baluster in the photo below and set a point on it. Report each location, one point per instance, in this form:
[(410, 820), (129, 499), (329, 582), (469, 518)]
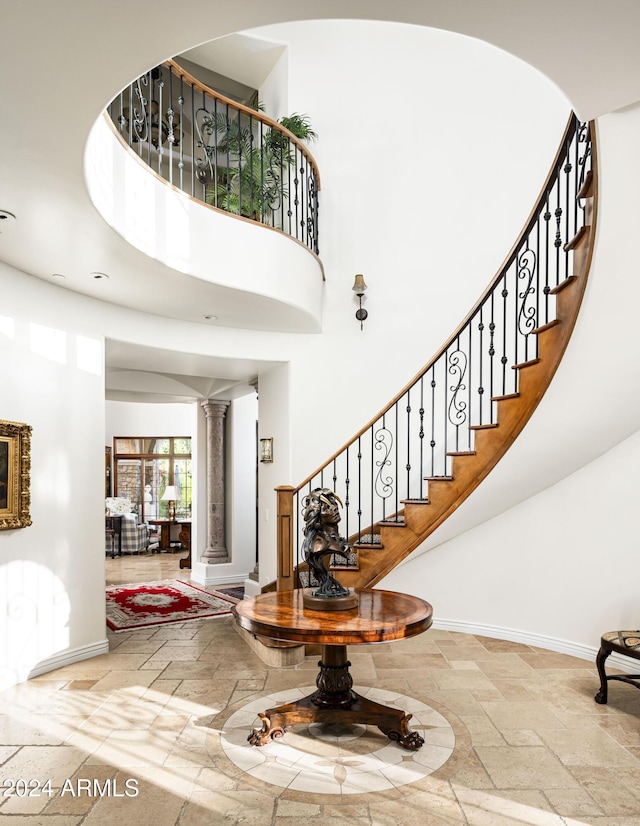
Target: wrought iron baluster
[(456, 409), (360, 485), (347, 482), (432, 441), (492, 351), (373, 477), (151, 124), (480, 369), (547, 286), (408, 464), (303, 187), (526, 316), (421, 437), (397, 466), (297, 527), (262, 162), (182, 133), (558, 239), (503, 358), (567, 211), (469, 383), (170, 134)]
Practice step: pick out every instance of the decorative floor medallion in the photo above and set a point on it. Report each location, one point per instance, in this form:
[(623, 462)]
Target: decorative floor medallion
[(339, 758)]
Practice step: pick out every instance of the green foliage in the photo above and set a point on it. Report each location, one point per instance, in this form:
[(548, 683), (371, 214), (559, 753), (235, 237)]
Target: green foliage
[(300, 125), (250, 161)]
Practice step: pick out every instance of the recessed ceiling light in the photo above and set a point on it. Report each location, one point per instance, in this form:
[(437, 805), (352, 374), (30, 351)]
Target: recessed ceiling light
[(98, 275), (57, 275), (210, 317)]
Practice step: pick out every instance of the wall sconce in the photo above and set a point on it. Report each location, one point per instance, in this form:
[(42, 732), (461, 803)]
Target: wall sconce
[(266, 450), (359, 288)]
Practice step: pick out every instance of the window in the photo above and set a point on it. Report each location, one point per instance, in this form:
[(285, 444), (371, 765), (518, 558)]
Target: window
[(144, 466)]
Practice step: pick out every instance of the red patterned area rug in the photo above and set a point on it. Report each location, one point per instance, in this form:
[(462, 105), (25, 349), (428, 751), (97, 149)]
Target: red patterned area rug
[(156, 603)]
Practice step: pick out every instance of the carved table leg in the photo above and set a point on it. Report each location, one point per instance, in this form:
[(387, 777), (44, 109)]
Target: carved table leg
[(185, 538), (603, 653), (336, 702)]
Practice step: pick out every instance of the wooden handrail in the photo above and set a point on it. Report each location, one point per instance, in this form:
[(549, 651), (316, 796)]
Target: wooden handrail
[(507, 263)]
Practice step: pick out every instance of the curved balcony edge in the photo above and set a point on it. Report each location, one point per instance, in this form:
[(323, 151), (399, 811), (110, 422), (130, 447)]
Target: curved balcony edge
[(239, 258)]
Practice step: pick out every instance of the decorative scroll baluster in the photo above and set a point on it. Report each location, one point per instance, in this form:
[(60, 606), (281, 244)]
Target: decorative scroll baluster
[(526, 319), (457, 407)]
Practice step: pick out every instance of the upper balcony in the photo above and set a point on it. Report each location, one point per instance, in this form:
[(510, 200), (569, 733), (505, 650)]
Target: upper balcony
[(216, 191)]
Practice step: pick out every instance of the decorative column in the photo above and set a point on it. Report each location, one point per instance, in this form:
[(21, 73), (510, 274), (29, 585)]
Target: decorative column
[(216, 551)]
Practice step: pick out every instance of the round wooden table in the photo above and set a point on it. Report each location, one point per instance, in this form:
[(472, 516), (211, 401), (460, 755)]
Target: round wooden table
[(380, 616)]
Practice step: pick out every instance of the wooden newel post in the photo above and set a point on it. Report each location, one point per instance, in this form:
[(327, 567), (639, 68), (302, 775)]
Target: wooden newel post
[(286, 528)]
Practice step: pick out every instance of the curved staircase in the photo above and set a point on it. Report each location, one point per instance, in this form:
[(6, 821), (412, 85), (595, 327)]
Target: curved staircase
[(416, 462)]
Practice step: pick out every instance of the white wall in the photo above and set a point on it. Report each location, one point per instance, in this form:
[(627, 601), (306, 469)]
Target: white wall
[(429, 168), (241, 507), (557, 570), (52, 572), (564, 562), (136, 419), (404, 170), (275, 405)]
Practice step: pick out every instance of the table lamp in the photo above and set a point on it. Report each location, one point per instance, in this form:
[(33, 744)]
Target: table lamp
[(171, 493)]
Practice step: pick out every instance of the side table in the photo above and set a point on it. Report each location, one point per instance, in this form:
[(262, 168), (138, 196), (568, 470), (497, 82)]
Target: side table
[(380, 616)]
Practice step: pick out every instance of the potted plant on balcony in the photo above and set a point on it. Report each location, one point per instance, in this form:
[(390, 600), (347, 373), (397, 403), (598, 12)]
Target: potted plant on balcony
[(251, 159)]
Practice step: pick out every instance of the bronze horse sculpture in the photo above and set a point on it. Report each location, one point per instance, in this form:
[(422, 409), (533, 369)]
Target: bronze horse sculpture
[(321, 512)]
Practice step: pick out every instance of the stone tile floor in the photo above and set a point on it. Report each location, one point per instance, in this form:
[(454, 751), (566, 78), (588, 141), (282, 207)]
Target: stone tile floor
[(135, 736)]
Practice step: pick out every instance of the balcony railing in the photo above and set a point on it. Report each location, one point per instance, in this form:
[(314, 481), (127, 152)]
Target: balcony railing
[(223, 153)]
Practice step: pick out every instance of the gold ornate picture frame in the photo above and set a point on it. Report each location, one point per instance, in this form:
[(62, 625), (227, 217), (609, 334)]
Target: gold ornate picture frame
[(15, 470)]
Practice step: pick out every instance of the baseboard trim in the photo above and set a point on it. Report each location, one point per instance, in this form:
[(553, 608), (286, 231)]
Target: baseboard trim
[(84, 652), (574, 649)]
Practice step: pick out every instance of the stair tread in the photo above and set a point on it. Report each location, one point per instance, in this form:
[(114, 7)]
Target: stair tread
[(461, 453), (563, 284), (583, 192), (546, 326), (438, 478), (415, 501), (505, 397), (482, 426), (580, 234), (368, 540), (522, 364)]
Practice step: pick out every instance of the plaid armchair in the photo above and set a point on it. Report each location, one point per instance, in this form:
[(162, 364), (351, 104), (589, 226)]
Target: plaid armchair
[(134, 538)]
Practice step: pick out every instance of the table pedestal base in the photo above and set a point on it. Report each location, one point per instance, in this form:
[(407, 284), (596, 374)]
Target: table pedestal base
[(336, 702)]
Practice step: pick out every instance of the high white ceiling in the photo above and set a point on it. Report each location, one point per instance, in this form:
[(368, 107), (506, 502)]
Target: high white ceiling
[(63, 62)]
